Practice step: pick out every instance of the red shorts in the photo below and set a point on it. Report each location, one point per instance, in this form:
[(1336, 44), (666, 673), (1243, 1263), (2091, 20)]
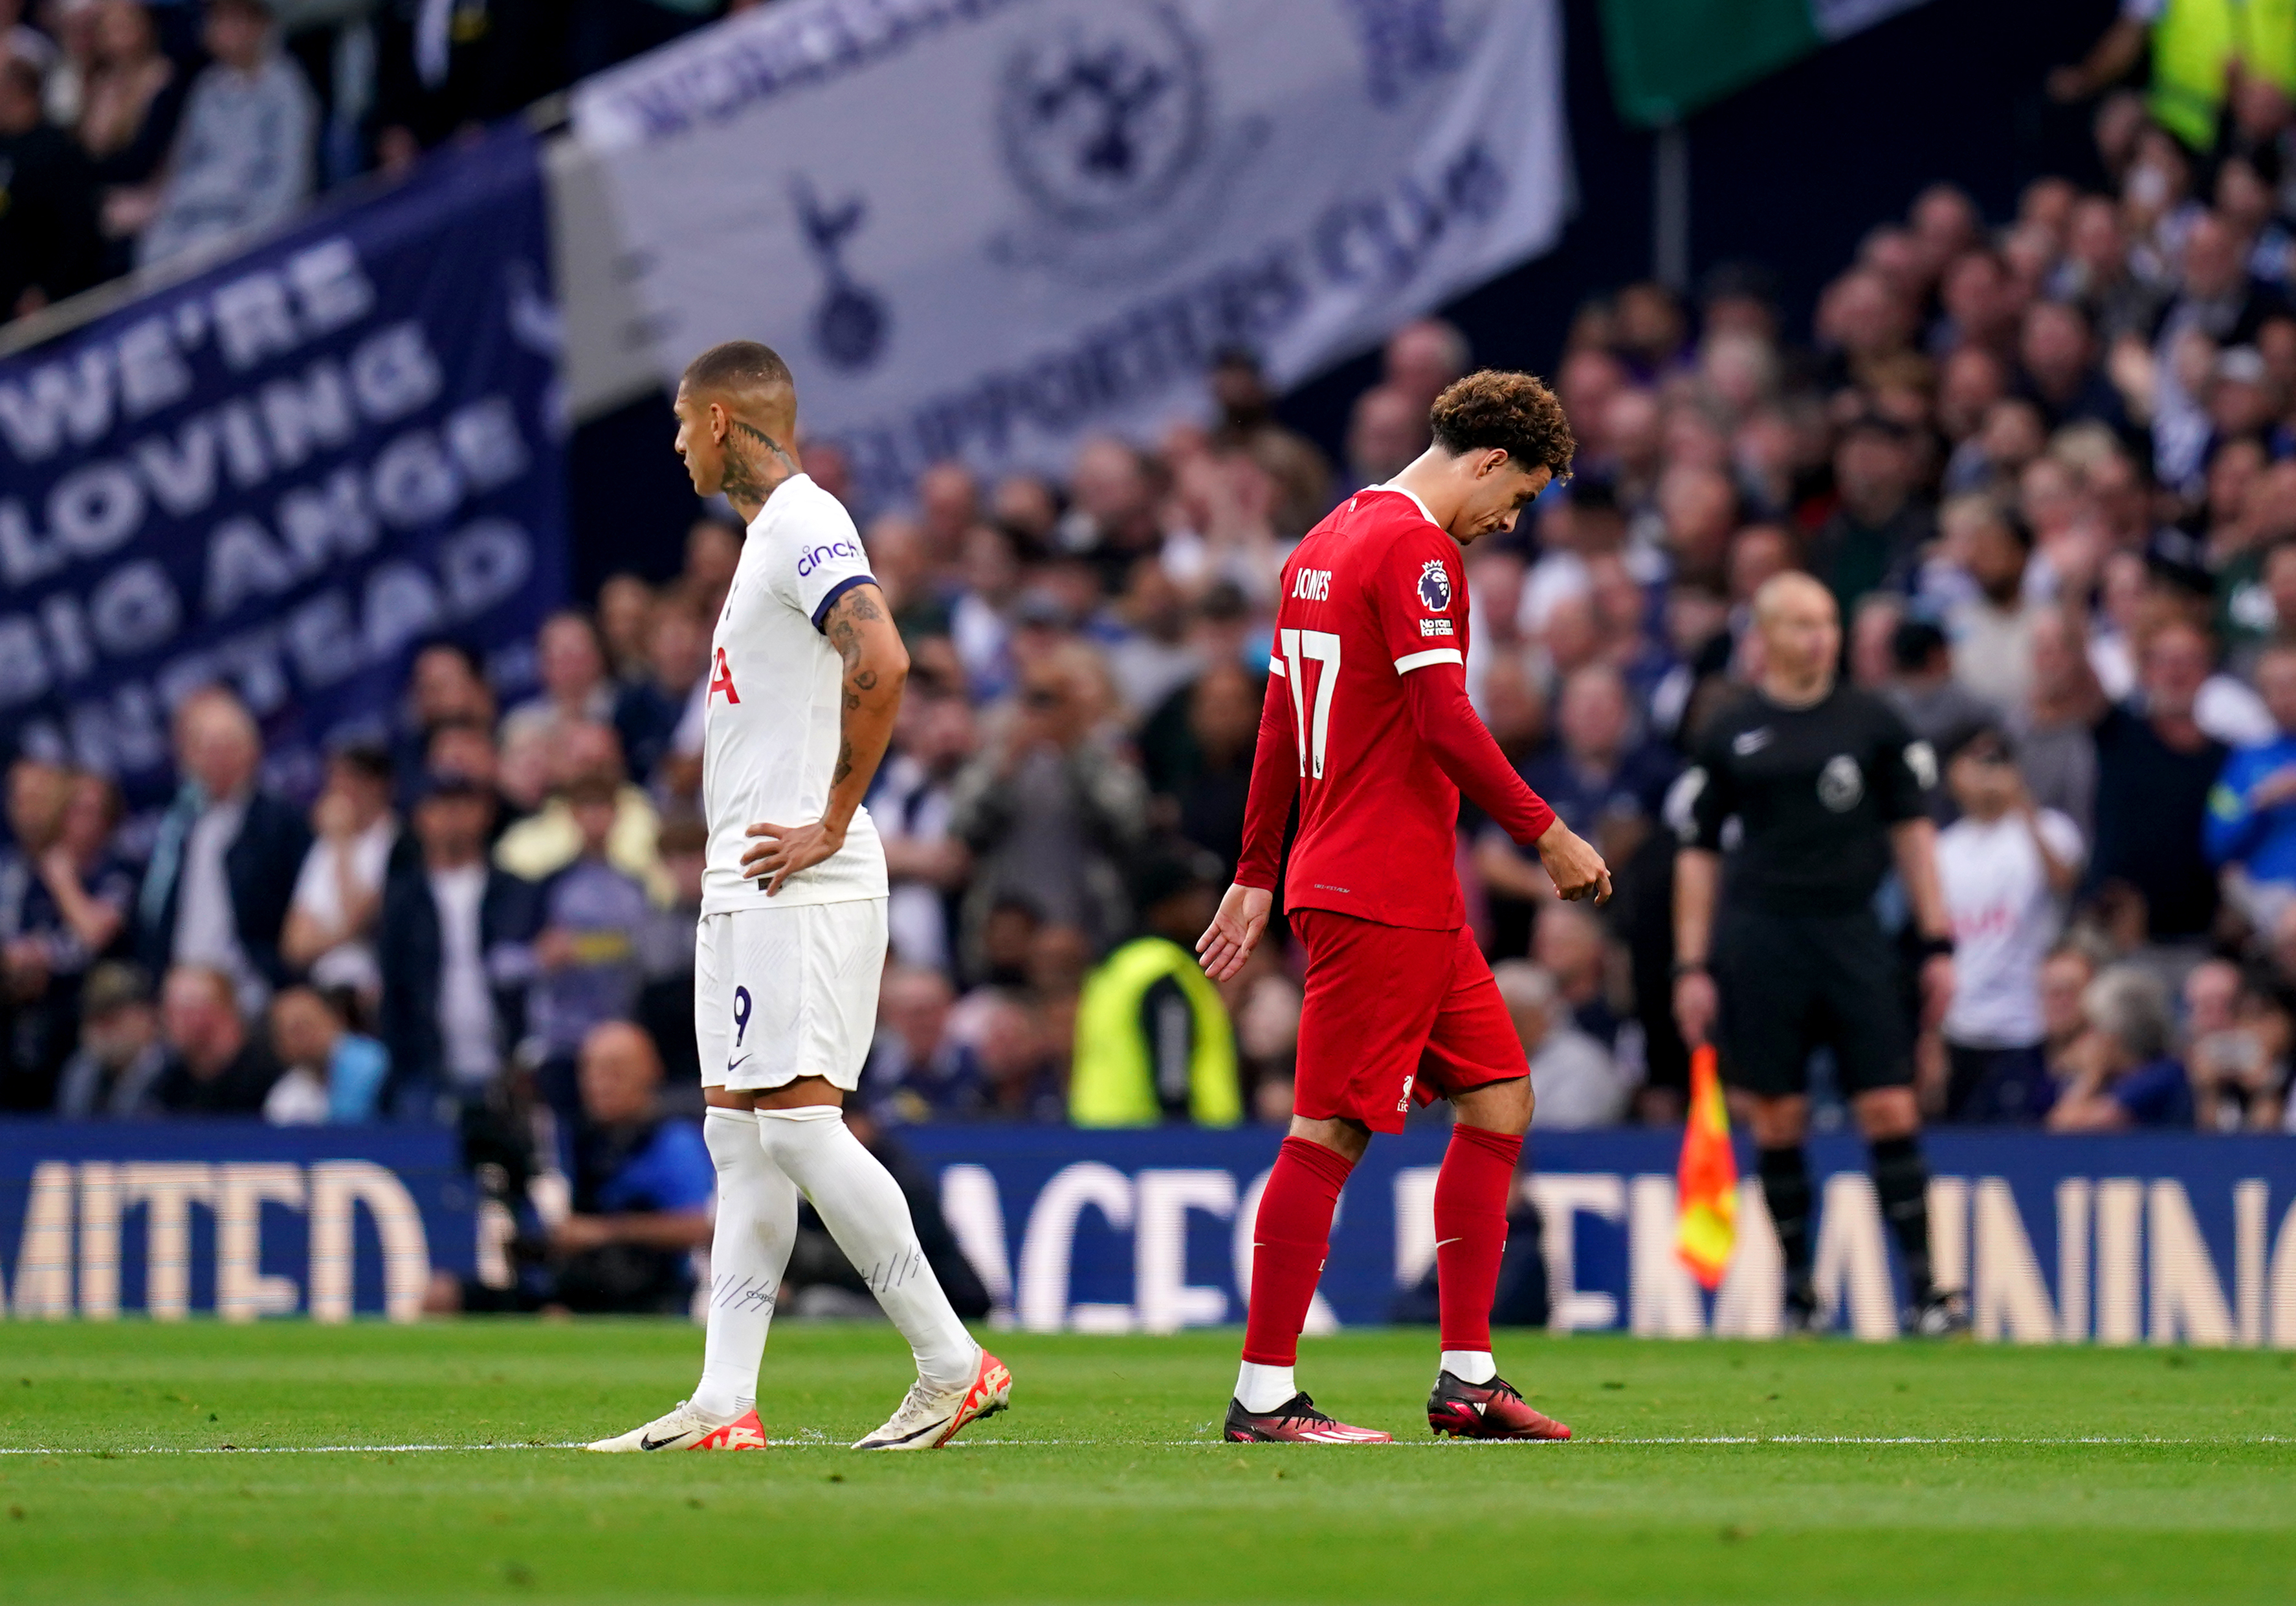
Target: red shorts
[(1394, 1014)]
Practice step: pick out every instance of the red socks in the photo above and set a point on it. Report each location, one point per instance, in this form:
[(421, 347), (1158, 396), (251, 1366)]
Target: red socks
[(1290, 1239), (1471, 1194)]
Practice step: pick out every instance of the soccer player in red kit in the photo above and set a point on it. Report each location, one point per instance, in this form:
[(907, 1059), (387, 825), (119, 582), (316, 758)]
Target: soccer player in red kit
[(1367, 723)]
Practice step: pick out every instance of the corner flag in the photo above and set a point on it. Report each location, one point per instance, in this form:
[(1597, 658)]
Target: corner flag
[(1706, 1180)]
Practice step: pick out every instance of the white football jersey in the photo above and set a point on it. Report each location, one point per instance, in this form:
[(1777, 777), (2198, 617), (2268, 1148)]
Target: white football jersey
[(775, 703)]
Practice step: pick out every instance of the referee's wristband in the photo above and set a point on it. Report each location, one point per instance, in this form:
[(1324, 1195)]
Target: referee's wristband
[(1689, 967), (1934, 948)]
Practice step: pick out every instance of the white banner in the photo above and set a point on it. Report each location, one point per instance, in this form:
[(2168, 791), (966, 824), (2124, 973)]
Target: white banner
[(987, 228)]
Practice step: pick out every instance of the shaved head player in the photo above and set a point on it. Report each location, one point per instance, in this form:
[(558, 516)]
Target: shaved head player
[(1826, 784), (806, 672), (1367, 724)]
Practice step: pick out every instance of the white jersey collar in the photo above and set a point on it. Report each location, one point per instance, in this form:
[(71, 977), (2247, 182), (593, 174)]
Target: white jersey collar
[(768, 506)]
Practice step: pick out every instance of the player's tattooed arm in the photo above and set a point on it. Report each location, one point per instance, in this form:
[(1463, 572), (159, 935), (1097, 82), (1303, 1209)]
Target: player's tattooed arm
[(876, 666), (853, 612)]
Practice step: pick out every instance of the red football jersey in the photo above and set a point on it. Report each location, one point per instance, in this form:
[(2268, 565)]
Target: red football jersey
[(1372, 593)]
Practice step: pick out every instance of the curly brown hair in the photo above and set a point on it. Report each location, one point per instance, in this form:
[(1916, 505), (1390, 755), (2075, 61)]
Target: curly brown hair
[(1497, 408)]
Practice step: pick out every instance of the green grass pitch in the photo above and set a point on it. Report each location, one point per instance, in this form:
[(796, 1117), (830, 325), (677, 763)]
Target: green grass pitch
[(1707, 1471)]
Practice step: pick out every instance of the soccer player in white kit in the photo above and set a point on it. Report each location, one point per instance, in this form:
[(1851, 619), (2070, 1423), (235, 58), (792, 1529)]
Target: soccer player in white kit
[(806, 672)]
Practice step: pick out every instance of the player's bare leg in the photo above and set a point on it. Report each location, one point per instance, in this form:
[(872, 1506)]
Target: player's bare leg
[(1290, 1239), (1473, 1191)]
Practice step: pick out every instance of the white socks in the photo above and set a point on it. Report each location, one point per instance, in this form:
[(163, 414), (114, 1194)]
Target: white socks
[(1470, 1365), (861, 1206), (757, 1223), (1262, 1388)]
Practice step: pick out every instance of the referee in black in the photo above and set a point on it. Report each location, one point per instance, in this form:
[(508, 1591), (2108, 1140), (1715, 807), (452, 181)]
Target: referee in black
[(1826, 784)]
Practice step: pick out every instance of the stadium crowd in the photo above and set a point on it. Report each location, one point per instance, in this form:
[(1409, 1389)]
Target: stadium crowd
[(134, 131), (2046, 463)]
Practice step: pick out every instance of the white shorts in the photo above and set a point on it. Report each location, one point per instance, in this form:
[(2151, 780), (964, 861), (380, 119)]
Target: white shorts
[(781, 994)]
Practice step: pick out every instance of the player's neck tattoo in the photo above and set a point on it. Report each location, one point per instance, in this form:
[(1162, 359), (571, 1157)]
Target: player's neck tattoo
[(789, 464), (748, 482)]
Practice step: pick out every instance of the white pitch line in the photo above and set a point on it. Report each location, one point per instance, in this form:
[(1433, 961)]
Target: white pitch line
[(1787, 1438), (1169, 1443), (268, 1449)]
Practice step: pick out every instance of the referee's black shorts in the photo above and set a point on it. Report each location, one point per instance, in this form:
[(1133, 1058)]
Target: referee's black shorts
[(1792, 982)]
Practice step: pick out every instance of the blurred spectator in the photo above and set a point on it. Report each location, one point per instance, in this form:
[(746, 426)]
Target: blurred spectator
[(544, 844), (1266, 1001), (331, 1072), (1386, 430), (1050, 807), (713, 552), (1296, 466), (2006, 869), (2065, 976), (1650, 334), (63, 903), (641, 1200), (627, 606), (2059, 374), (910, 801), (576, 690), (454, 948), (242, 158), (2094, 274), (2252, 820), (1570, 945), (1112, 520), (330, 931), (2217, 295), (1575, 1082), (1204, 767), (1142, 635), (224, 863), (48, 243), (1017, 1080), (1601, 781), (2155, 770), (665, 1003), (2056, 751), (2187, 87), (131, 107), (592, 916), (1422, 358), (1870, 542), (439, 68), (643, 1187), (215, 1065), (2238, 1056), (1992, 629), (659, 684), (115, 1072), (463, 748), (1153, 1038), (2124, 1074), (1936, 707), (917, 1071), (445, 687)]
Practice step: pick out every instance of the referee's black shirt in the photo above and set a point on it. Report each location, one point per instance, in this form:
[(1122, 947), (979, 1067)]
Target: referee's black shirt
[(1816, 791)]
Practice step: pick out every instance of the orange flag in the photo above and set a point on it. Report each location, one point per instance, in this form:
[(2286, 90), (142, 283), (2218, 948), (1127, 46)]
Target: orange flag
[(1706, 1182)]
